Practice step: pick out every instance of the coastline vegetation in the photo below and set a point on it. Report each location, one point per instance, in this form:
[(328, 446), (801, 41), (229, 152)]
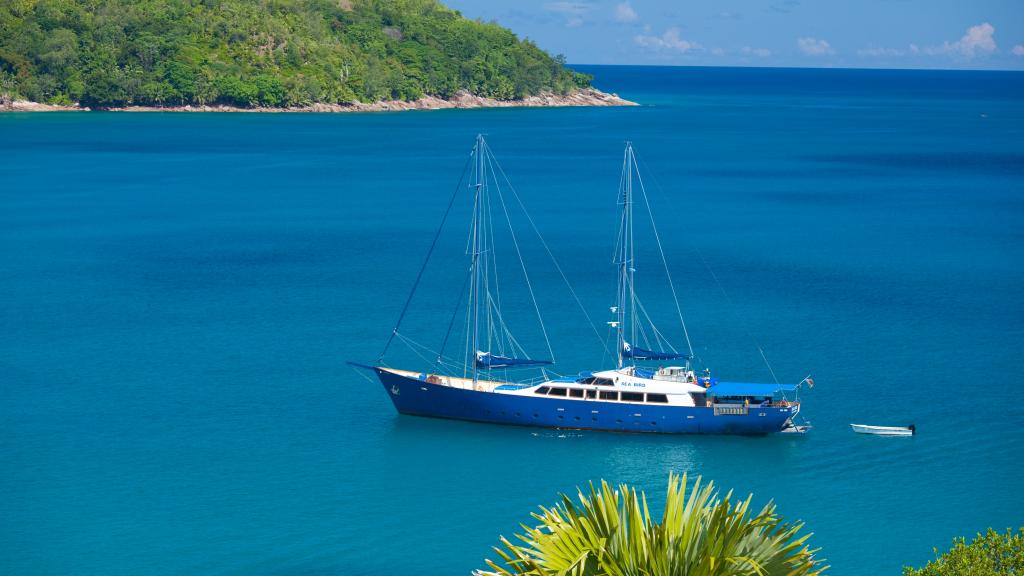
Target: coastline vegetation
[(989, 554), (610, 532), (269, 53)]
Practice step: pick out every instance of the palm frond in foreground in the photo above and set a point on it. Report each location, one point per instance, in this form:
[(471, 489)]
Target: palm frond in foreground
[(610, 532)]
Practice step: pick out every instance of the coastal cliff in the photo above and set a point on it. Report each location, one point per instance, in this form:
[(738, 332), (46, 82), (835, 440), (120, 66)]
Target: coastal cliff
[(301, 55)]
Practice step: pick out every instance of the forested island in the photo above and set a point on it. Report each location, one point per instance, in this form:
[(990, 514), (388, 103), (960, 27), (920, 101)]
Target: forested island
[(272, 54)]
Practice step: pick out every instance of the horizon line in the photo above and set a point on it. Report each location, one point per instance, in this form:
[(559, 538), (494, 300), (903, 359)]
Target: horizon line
[(777, 67)]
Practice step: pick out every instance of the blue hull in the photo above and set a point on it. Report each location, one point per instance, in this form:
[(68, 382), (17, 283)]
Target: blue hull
[(420, 398)]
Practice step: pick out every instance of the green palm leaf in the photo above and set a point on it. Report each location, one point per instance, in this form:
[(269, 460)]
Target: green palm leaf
[(610, 532)]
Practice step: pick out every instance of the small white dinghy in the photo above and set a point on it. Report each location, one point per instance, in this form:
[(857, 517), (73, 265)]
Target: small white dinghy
[(884, 430)]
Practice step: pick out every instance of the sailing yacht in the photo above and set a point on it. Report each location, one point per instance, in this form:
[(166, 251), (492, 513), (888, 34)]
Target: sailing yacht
[(634, 396)]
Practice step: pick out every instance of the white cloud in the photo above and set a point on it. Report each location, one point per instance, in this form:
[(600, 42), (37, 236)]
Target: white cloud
[(670, 40), (814, 47), (572, 11), (876, 52), (624, 12), (1018, 50), (716, 51), (977, 41), (759, 52)]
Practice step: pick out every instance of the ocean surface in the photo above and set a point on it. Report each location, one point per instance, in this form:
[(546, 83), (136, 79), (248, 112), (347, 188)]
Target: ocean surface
[(179, 294)]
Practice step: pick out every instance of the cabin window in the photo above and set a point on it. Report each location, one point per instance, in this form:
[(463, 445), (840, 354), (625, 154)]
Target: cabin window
[(657, 398), (594, 380), (576, 392), (699, 398), (542, 390), (632, 397), (591, 393), (609, 395), (558, 392)]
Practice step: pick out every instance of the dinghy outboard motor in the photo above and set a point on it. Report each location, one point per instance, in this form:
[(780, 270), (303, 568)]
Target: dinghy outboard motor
[(913, 429)]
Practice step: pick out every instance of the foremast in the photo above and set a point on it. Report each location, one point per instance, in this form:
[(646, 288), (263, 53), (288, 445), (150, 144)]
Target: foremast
[(630, 315), (624, 257)]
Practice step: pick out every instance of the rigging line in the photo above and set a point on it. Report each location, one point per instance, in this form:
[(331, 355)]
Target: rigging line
[(721, 288), (554, 260), (362, 375), (622, 261), (630, 249), (529, 285), (413, 345), (487, 247), (450, 365), (664, 261), (410, 342), (455, 313), (650, 321), (732, 308), (661, 339), (514, 344), (423, 268), (608, 336), (415, 351), (470, 249), (493, 269)]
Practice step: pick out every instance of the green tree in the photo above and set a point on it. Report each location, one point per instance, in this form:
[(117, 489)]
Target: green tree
[(267, 52), (59, 50), (989, 554), (182, 80), (611, 533)]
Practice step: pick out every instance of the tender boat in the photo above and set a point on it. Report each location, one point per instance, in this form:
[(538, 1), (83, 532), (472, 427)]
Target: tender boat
[(884, 430), (480, 382)]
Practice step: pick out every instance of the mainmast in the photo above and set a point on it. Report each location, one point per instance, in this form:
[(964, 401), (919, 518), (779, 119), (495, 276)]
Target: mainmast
[(625, 256), (628, 309), (477, 250)]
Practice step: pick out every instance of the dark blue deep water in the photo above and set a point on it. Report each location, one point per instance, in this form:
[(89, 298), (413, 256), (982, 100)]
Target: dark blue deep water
[(179, 294)]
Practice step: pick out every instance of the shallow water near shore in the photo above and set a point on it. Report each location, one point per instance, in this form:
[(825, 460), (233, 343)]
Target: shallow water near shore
[(180, 294)]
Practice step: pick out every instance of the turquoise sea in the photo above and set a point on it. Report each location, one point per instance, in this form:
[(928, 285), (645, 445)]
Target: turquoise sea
[(179, 294)]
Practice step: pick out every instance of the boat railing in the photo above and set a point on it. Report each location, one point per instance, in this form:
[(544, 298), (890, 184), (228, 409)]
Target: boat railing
[(730, 409)]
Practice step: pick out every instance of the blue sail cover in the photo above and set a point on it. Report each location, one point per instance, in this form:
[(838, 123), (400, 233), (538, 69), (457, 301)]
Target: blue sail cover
[(641, 354), (487, 360), (748, 389)]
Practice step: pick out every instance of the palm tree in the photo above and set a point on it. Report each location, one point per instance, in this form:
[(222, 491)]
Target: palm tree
[(611, 533)]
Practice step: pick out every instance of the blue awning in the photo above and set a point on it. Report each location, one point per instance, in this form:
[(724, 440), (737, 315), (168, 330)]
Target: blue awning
[(748, 389)]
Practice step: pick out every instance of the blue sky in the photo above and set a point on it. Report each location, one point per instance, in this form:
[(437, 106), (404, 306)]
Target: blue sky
[(984, 34)]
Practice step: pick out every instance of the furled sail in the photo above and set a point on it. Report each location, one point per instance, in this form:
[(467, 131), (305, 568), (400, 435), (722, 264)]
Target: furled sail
[(487, 360), (641, 354)]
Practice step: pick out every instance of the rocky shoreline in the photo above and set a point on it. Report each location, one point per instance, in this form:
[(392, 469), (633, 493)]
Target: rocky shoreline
[(584, 97)]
